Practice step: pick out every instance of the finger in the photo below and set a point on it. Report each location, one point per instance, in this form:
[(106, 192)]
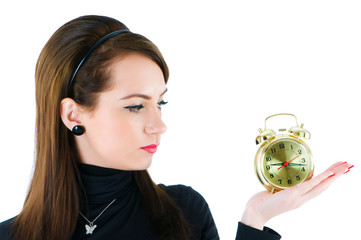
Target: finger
[(338, 170), (341, 169), (317, 190), (335, 165), (305, 187)]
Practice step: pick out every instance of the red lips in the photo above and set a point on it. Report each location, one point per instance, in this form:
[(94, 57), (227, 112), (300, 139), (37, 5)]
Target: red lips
[(151, 148)]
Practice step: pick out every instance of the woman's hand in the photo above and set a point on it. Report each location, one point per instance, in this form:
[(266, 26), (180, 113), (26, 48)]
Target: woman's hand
[(263, 206)]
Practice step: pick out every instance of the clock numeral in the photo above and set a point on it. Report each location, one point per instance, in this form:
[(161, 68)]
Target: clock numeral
[(268, 167), (268, 159), (291, 146), (280, 180), (282, 145), (273, 150), (289, 181), (303, 160), (303, 169), (299, 151), (298, 178), (271, 175)]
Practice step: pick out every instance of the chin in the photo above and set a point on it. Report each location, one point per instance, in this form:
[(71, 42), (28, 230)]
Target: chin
[(143, 164), (146, 165), (132, 164)]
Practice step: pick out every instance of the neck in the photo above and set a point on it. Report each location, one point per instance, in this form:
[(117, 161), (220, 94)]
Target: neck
[(102, 185)]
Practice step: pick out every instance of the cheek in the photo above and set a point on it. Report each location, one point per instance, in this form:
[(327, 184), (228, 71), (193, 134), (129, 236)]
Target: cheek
[(116, 136), (120, 133)]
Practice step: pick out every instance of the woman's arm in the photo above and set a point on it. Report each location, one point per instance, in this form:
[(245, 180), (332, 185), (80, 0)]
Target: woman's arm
[(263, 206)]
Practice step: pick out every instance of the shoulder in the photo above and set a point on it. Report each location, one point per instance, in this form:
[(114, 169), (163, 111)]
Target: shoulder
[(180, 191), (5, 228), (185, 195), (195, 210)]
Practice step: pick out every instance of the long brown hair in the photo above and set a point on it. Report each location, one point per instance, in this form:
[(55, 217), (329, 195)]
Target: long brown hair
[(51, 207)]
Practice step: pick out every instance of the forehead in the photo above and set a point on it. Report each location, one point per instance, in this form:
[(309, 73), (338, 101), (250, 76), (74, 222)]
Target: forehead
[(136, 73)]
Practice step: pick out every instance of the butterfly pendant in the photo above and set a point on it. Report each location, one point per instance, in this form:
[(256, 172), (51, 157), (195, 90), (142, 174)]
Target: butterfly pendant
[(90, 229)]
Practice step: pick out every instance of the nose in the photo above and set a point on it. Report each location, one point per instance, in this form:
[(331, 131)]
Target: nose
[(156, 125)]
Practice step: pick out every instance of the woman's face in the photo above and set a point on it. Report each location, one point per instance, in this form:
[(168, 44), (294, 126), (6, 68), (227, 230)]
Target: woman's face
[(124, 129)]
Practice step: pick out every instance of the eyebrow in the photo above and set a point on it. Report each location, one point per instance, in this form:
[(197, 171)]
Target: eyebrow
[(139, 95)]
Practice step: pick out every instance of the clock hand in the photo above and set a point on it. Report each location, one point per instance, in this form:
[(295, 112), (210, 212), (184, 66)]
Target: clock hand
[(296, 164), (286, 163), (276, 164), (290, 164)]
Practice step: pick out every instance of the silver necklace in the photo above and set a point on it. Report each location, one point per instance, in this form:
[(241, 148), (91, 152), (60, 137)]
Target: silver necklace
[(91, 227)]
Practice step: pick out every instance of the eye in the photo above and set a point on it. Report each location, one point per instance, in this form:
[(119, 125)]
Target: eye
[(134, 108), (161, 104)]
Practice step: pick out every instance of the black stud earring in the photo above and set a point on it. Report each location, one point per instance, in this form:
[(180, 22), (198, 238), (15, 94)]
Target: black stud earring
[(78, 130)]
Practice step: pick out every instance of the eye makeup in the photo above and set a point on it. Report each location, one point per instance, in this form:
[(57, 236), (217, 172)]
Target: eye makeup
[(136, 108), (162, 103)]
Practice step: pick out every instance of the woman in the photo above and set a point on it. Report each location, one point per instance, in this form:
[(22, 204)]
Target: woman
[(99, 92)]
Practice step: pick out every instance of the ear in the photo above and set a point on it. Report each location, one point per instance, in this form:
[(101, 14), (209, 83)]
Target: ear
[(70, 113)]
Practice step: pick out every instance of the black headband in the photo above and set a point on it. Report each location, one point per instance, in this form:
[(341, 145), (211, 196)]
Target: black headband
[(99, 42)]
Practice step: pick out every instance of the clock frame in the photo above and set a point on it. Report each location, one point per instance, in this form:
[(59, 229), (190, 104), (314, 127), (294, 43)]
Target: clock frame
[(283, 160)]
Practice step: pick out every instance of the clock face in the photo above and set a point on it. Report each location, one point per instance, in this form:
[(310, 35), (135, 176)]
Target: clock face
[(286, 163)]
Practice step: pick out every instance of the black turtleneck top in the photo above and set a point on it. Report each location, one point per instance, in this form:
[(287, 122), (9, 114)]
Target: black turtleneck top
[(125, 218)]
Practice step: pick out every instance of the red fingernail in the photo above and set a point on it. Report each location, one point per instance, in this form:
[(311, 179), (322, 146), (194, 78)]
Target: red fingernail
[(331, 175), (351, 167), (341, 164)]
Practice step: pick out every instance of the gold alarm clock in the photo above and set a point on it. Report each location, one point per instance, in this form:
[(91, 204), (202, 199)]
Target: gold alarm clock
[(283, 159)]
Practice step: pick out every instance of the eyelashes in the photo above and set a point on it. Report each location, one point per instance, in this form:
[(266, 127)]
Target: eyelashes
[(136, 108), (162, 103)]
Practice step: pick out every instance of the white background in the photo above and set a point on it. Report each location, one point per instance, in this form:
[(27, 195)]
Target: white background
[(232, 63)]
